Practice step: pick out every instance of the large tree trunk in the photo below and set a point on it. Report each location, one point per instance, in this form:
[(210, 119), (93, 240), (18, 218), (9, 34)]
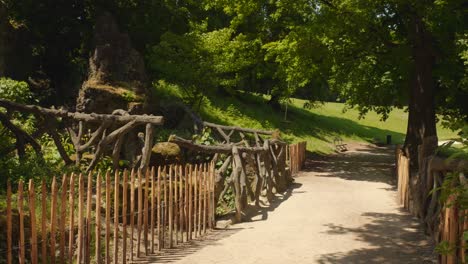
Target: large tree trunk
[(421, 119), (421, 135)]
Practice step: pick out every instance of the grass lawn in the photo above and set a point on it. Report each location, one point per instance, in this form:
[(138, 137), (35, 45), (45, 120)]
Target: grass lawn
[(318, 126)]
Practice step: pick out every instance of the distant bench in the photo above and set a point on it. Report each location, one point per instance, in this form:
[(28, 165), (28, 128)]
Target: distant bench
[(339, 145)]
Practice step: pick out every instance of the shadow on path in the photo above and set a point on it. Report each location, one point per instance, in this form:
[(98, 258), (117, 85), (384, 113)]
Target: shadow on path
[(361, 163), (253, 214), (394, 238)]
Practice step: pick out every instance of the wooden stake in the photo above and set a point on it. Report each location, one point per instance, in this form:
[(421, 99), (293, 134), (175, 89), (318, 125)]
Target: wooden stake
[(146, 211), (32, 215), (116, 216), (80, 218), (186, 202), (98, 219), (159, 208), (205, 195), (132, 209), (63, 217), (88, 219), (71, 232), (139, 212), (153, 204), (195, 200), (171, 209), (176, 205), (181, 206), (108, 216), (22, 245), (124, 216), (44, 222), (190, 204), (165, 207), (9, 227), (53, 220), (213, 199), (200, 200)]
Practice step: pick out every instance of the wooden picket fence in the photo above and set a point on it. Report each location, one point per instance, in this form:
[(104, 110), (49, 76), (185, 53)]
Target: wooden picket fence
[(113, 218), (297, 155)]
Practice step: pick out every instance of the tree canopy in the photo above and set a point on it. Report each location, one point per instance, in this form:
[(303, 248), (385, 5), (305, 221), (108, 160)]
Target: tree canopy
[(373, 55)]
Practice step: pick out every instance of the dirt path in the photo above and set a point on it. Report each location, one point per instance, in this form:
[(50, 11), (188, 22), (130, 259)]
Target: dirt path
[(340, 210)]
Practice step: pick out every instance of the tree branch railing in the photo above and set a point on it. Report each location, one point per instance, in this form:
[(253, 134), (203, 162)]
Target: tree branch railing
[(241, 150), (109, 131)]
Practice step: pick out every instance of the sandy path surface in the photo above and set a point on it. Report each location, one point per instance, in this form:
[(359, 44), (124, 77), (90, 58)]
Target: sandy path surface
[(341, 209)]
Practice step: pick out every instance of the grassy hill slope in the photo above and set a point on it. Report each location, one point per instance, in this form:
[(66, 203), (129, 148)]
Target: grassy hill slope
[(318, 126)]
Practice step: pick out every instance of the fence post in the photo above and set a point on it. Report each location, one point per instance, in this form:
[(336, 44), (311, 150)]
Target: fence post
[(124, 216), (71, 233), (153, 198), (176, 204), (98, 219), (32, 214), (190, 213), (108, 205), (63, 217), (88, 218), (181, 205), (9, 227), (139, 212), (21, 223), (53, 219), (132, 209), (116, 216), (159, 207), (146, 211), (171, 209)]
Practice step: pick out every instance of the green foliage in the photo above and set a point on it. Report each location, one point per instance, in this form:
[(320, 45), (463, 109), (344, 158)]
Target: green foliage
[(15, 91)]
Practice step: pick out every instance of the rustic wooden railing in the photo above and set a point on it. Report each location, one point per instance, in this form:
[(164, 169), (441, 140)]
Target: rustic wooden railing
[(118, 218)]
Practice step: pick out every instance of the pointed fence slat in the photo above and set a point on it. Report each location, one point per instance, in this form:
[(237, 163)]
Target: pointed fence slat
[(165, 213), (116, 216), (176, 205), (44, 222), (108, 217), (71, 233), (159, 208), (181, 205), (124, 216), (139, 212), (97, 254), (80, 217), (190, 216), (145, 212), (153, 207), (171, 208), (87, 255), (53, 220), (63, 217), (205, 190), (186, 207), (132, 209), (9, 226), (22, 248), (32, 215)]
